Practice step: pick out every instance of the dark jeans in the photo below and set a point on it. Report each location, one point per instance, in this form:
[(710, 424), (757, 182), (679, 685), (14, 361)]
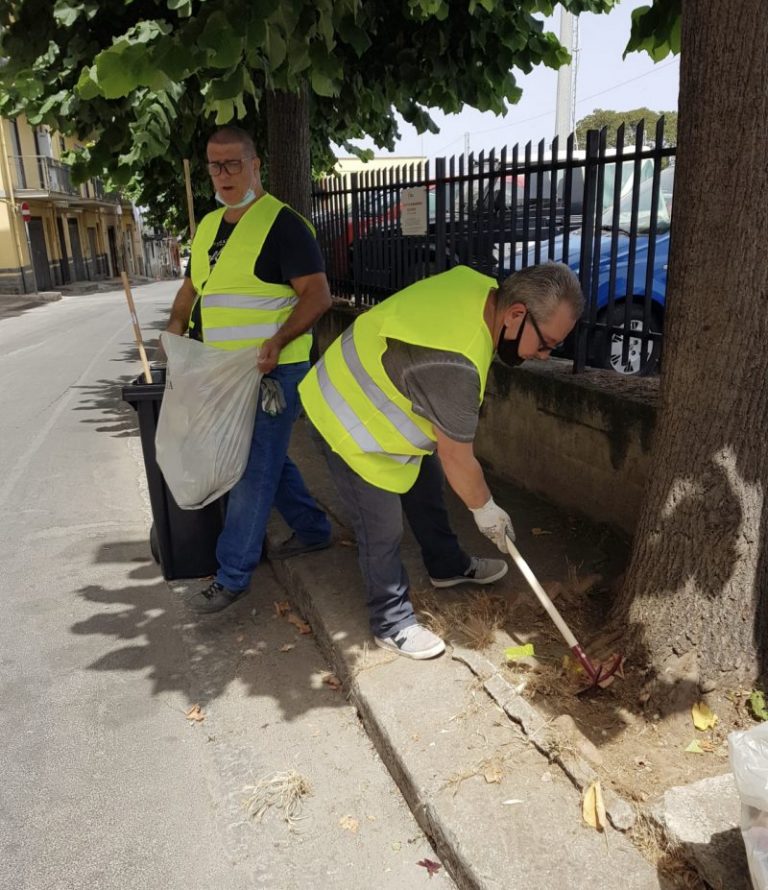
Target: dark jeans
[(377, 520), (270, 479)]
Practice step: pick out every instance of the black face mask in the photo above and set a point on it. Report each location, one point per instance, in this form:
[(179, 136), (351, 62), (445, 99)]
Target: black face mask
[(506, 350)]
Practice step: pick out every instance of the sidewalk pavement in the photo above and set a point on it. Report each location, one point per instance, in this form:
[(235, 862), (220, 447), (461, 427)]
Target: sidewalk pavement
[(483, 772)]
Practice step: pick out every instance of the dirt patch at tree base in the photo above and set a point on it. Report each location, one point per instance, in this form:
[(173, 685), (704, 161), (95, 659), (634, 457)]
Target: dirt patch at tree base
[(635, 750)]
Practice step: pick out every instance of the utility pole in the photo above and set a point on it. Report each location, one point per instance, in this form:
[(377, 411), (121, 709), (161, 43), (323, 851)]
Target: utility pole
[(564, 121)]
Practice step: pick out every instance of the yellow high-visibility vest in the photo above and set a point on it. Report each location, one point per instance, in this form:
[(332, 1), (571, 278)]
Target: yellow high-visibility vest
[(354, 405), (238, 309)]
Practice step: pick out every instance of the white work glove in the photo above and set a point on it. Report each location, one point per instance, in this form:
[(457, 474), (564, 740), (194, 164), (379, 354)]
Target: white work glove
[(494, 523)]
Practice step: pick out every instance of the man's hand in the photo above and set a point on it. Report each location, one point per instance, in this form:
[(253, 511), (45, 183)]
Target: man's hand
[(495, 524), (268, 355)]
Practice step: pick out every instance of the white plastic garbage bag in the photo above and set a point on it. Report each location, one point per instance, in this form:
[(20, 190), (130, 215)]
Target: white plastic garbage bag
[(748, 751), (206, 418)]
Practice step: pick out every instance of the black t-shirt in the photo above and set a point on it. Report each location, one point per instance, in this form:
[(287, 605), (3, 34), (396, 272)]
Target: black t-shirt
[(290, 250)]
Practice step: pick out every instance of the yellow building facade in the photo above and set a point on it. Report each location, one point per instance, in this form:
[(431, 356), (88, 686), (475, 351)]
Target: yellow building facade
[(72, 233)]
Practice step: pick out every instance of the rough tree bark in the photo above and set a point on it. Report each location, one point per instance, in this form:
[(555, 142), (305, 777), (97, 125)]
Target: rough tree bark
[(695, 592), (288, 160)]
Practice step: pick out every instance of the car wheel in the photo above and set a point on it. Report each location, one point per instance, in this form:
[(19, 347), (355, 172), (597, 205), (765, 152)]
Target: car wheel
[(610, 351)]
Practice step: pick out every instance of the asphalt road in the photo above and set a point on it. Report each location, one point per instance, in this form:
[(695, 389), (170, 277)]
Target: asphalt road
[(104, 783)]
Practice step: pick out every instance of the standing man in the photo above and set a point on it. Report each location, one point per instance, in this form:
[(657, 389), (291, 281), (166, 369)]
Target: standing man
[(397, 397), (256, 278)]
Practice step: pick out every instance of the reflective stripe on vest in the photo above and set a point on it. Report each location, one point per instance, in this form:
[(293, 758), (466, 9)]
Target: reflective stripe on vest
[(397, 417), (248, 301), (352, 423)]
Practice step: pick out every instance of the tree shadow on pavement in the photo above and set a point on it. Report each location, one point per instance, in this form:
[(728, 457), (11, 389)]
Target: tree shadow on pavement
[(203, 657), (104, 397)]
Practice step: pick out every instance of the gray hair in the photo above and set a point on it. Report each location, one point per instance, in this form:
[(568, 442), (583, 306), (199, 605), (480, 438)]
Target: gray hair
[(542, 289), (230, 135)]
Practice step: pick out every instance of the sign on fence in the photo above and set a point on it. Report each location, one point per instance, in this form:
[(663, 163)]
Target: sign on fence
[(413, 211)]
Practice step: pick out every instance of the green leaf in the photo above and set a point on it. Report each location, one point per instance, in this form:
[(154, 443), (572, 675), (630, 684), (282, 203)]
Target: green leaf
[(224, 44), (182, 7), (115, 73), (756, 703), (276, 48), (231, 86), (67, 13), (87, 86), (323, 85)]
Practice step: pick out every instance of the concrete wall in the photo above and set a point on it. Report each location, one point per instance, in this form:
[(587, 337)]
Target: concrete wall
[(582, 441)]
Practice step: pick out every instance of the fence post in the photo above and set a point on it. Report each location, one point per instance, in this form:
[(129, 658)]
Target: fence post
[(356, 267), (441, 242), (587, 237)]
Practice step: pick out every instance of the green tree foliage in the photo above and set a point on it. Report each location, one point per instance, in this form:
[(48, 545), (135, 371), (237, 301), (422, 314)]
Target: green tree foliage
[(656, 29), (144, 80), (614, 119)]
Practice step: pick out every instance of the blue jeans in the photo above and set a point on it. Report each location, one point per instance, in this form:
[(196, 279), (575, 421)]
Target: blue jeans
[(270, 479), (376, 516)]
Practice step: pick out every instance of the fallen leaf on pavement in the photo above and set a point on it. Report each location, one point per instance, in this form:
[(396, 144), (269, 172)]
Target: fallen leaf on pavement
[(195, 713), (592, 807), (286, 647), (756, 703), (514, 652), (694, 748), (282, 609), (332, 680), (299, 623), (493, 772), (432, 867), (703, 716), (349, 824)]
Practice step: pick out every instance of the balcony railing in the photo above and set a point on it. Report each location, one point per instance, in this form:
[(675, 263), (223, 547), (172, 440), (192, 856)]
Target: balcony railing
[(38, 173)]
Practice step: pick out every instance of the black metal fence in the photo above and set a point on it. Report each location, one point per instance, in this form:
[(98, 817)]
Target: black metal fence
[(604, 210)]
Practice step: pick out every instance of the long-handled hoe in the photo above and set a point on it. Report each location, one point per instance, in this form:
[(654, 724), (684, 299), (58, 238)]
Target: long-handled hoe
[(598, 674)]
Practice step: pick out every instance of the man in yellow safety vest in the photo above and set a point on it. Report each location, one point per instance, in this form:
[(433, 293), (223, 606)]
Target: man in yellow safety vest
[(396, 401), (256, 278)]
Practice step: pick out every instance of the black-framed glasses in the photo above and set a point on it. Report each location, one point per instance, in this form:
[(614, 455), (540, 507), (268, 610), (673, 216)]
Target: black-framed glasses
[(543, 345), (232, 168)]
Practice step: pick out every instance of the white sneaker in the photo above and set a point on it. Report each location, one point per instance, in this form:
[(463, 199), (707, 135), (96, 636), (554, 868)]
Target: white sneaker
[(480, 571), (415, 641)]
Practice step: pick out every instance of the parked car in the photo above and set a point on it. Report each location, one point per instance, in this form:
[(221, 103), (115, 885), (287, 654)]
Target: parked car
[(615, 233)]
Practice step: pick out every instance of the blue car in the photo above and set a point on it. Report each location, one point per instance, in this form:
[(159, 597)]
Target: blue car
[(607, 350)]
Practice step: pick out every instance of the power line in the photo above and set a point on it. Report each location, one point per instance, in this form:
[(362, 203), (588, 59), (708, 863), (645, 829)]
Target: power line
[(552, 111)]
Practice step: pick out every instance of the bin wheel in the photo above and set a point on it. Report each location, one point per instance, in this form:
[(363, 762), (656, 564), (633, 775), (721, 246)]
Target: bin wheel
[(153, 545)]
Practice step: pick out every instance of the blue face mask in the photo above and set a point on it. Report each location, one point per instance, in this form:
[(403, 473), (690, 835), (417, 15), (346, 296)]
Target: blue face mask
[(249, 196)]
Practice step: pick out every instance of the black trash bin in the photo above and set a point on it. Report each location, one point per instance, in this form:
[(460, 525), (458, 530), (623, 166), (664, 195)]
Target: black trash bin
[(183, 542)]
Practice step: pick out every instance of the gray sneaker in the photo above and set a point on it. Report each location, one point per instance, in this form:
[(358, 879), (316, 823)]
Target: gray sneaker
[(214, 598), (415, 641), (480, 571)]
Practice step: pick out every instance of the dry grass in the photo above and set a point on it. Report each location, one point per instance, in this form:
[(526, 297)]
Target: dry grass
[(285, 791), (668, 859), (471, 621)]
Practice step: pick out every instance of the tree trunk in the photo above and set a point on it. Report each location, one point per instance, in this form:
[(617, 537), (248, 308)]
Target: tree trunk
[(695, 591), (288, 163)]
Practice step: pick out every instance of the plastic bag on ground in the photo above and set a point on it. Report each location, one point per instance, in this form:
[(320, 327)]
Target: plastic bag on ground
[(748, 752), (206, 418)]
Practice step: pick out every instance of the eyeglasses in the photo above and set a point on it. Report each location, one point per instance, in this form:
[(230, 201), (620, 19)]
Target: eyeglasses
[(543, 345), (232, 168)]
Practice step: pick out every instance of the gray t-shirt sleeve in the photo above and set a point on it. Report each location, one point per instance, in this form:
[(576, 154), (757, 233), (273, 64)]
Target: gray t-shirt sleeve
[(443, 387)]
